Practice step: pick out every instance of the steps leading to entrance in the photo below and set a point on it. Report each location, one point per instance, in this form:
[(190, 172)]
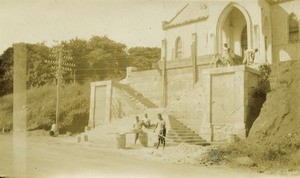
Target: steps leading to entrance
[(179, 133), (135, 96)]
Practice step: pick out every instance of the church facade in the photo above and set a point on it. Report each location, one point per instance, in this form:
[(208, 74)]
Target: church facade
[(271, 26), (212, 102)]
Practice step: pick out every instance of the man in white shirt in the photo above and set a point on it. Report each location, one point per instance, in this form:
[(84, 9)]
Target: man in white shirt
[(161, 124), (137, 128)]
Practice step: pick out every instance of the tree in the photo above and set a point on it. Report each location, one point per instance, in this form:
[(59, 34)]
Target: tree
[(39, 72), (6, 71), (144, 57), (78, 51), (107, 57)]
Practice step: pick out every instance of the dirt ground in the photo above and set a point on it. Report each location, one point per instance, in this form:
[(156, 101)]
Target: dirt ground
[(63, 157)]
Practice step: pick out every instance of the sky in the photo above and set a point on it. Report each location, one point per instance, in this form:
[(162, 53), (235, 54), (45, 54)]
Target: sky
[(134, 23)]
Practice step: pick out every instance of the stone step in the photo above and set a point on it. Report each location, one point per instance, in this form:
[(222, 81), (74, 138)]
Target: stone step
[(181, 131), (189, 140), (179, 128), (187, 134), (184, 137)]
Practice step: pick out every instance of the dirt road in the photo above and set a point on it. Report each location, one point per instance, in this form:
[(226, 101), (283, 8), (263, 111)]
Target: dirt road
[(63, 157)]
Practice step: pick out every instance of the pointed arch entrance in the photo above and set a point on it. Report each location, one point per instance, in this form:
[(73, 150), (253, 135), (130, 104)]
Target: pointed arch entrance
[(234, 27)]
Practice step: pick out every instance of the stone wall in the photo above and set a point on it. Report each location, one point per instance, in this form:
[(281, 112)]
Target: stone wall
[(283, 50), (179, 79), (147, 83), (226, 99)]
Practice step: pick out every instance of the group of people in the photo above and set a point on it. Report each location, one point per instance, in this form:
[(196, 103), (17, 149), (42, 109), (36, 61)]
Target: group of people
[(228, 60), (145, 122)]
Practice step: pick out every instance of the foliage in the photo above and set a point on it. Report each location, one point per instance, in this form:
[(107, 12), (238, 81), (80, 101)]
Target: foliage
[(6, 110), (144, 57), (39, 72), (215, 156), (41, 104), (264, 83), (6, 72), (98, 58)]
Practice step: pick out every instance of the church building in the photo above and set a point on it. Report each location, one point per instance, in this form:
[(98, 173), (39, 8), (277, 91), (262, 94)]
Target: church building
[(271, 26), (213, 102)]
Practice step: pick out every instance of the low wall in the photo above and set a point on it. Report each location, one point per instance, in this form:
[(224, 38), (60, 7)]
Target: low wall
[(108, 103)]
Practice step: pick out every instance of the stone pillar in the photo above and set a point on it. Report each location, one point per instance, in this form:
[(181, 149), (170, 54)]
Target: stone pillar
[(108, 102), (19, 110), (92, 106), (206, 126), (194, 58), (240, 123), (109, 90), (164, 74)]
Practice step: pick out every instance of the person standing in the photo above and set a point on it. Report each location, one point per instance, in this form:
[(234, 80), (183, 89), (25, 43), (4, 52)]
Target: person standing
[(226, 57), (249, 56), (147, 121), (161, 125), (137, 128)]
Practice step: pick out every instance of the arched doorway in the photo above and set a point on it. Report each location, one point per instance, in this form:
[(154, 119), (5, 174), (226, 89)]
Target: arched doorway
[(234, 28)]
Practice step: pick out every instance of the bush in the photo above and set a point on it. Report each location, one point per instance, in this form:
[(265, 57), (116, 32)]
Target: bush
[(41, 104)]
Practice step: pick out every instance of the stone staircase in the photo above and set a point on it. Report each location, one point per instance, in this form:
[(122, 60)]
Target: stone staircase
[(179, 133), (135, 96)]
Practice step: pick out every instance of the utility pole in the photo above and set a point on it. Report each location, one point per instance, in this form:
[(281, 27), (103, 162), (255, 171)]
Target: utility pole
[(59, 76), (60, 66), (74, 75)]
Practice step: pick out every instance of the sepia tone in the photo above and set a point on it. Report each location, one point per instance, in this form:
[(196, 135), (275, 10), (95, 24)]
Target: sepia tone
[(221, 100)]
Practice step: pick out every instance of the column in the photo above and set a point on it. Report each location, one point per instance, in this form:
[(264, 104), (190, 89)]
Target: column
[(206, 125), (194, 58), (164, 73), (92, 106)]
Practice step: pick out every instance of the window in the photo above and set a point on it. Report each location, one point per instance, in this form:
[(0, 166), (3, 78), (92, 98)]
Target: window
[(293, 28), (178, 48)]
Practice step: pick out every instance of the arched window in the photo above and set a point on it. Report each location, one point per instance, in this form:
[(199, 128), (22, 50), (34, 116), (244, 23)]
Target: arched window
[(293, 28), (178, 48)]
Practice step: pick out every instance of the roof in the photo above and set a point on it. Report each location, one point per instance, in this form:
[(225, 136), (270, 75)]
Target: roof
[(278, 1), (191, 12)]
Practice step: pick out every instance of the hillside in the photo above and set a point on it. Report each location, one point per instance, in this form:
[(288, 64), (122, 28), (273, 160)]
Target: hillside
[(274, 140), (41, 104), (280, 115)]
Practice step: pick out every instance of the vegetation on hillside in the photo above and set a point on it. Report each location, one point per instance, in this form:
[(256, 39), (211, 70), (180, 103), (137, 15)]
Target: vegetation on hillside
[(98, 58), (41, 105)]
